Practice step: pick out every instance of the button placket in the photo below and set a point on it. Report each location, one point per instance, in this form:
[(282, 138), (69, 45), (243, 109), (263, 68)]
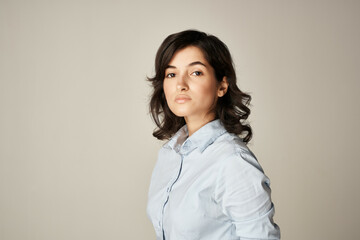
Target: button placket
[(168, 190)]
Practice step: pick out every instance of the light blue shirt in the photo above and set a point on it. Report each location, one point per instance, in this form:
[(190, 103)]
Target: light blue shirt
[(210, 186)]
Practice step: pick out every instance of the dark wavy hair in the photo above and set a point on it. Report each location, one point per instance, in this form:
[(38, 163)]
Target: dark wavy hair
[(232, 108)]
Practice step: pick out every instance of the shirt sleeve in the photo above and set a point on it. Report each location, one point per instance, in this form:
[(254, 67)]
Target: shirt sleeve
[(243, 192)]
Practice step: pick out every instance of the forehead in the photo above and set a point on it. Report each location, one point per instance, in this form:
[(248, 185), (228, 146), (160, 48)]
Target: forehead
[(188, 55)]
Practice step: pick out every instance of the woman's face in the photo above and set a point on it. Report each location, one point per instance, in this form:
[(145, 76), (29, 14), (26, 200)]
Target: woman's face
[(190, 86)]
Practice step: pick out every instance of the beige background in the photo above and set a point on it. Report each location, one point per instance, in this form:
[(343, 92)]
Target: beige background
[(76, 150)]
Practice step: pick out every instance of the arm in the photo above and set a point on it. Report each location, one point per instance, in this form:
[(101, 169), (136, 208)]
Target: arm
[(244, 195)]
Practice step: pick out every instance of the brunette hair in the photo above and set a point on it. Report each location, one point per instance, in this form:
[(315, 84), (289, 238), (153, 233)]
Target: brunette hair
[(232, 108)]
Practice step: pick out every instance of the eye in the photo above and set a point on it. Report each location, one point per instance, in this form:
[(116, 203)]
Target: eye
[(196, 73), (170, 75)]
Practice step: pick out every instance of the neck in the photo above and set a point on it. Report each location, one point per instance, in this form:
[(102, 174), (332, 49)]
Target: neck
[(195, 124)]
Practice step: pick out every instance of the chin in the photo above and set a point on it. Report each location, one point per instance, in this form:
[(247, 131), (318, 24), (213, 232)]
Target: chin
[(180, 112)]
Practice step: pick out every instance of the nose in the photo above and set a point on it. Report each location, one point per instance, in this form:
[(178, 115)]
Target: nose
[(182, 84)]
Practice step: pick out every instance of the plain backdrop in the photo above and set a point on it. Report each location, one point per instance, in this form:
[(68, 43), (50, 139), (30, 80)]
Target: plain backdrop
[(76, 145)]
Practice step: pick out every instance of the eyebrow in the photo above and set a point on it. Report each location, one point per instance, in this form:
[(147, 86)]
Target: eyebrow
[(196, 63), (190, 64)]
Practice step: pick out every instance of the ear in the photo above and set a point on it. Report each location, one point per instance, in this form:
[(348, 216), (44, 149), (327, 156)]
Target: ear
[(223, 87)]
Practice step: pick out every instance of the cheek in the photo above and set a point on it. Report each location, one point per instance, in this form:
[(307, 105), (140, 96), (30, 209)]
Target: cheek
[(207, 92), (167, 89)]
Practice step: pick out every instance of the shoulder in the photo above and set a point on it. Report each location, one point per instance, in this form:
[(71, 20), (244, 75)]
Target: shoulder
[(239, 174), (234, 152), (230, 142)]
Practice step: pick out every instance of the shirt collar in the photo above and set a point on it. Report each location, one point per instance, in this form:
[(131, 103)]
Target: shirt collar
[(201, 139)]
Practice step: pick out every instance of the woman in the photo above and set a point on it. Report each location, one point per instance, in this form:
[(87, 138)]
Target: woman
[(206, 183)]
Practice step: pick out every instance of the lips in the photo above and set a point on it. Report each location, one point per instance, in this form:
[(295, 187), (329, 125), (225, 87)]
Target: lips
[(182, 98)]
